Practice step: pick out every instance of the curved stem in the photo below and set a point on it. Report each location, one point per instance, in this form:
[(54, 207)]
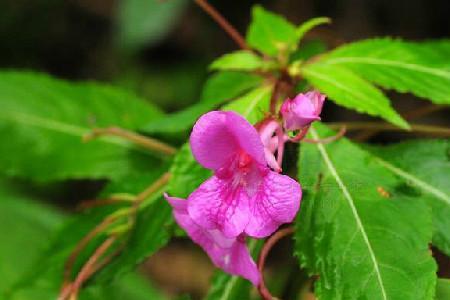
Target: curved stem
[(268, 245), (154, 187), (82, 244), (223, 23), (410, 115), (444, 131), (141, 140), (70, 288), (89, 267), (100, 202), (300, 135), (329, 139)]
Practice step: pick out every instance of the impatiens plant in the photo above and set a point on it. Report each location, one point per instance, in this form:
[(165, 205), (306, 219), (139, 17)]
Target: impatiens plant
[(243, 198), (262, 163)]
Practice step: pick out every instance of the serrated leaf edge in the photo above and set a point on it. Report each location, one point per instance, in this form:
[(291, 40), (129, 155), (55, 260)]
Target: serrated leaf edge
[(350, 201)]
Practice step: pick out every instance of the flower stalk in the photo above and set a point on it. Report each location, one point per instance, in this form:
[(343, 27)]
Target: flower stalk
[(143, 141), (223, 23)]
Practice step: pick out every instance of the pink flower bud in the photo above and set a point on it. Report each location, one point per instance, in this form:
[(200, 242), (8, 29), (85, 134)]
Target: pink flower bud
[(302, 110)]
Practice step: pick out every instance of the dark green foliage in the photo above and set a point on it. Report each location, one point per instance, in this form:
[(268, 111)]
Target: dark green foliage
[(360, 235)]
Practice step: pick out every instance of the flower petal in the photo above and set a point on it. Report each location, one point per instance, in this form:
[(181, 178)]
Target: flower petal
[(218, 135), (229, 254), (216, 205), (276, 202)]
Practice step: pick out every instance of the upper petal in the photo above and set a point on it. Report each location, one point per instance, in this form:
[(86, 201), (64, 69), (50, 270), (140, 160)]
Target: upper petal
[(229, 254), (217, 205), (276, 202), (218, 135)]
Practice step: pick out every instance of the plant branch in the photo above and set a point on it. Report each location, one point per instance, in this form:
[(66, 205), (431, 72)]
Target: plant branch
[(100, 202), (67, 285), (82, 244), (154, 187), (223, 23), (268, 245), (430, 129), (410, 115), (329, 139), (89, 267), (144, 141)]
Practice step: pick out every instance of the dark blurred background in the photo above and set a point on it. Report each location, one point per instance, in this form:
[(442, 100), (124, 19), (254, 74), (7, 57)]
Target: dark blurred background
[(161, 50)]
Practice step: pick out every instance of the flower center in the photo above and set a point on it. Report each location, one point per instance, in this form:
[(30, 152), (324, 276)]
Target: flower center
[(244, 163)]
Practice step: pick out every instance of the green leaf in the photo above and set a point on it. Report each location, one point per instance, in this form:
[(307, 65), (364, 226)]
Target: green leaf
[(227, 287), (151, 231), (308, 50), (153, 228), (144, 22), (421, 69), (365, 238), (47, 119), (349, 90), (130, 287), (310, 24), (239, 60), (219, 88), (24, 227), (425, 166), (436, 49), (443, 289), (270, 33), (187, 173), (252, 105)]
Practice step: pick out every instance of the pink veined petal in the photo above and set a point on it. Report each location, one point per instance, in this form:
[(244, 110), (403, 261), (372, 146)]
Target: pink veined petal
[(241, 263), (229, 254), (277, 202), (217, 205), (218, 135)]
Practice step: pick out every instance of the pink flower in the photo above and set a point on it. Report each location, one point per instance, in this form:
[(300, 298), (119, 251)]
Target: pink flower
[(243, 198), (302, 110), (229, 254)]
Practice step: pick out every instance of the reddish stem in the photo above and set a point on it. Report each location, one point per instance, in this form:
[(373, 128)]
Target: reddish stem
[(98, 202), (300, 135), (82, 244), (268, 245), (329, 139), (89, 267), (223, 23)]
